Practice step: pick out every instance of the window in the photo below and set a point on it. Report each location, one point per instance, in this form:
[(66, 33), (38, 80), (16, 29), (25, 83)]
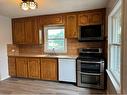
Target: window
[(55, 39), (114, 43)]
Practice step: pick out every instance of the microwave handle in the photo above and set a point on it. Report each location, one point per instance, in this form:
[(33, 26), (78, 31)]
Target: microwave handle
[(94, 74), (89, 61)]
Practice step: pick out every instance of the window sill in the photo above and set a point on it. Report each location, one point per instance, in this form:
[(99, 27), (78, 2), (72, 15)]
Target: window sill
[(114, 82)]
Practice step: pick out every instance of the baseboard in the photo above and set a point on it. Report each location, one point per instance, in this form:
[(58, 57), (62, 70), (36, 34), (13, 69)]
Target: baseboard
[(4, 78)]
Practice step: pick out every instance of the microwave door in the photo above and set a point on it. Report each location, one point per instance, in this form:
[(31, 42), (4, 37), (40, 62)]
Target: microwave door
[(90, 33)]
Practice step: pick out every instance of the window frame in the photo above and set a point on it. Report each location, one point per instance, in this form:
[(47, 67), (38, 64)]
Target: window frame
[(46, 28), (116, 82)]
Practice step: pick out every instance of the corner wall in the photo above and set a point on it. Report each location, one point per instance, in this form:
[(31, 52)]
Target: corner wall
[(5, 38)]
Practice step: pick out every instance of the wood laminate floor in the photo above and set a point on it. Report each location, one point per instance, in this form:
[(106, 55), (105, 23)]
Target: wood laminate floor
[(38, 87)]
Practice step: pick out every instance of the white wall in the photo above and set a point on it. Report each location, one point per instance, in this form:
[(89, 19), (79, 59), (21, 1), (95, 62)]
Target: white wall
[(5, 38)]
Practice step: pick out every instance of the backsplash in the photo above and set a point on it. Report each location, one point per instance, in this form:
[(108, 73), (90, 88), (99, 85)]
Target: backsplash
[(12, 49), (31, 49), (72, 47)]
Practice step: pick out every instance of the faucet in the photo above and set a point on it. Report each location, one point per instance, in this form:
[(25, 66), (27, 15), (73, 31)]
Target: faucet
[(53, 51)]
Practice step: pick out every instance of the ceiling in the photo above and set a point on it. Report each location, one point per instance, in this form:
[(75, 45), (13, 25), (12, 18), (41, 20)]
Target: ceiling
[(11, 8)]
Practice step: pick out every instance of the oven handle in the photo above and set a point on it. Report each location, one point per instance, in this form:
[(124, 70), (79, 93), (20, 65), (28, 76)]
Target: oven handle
[(90, 61), (95, 74)]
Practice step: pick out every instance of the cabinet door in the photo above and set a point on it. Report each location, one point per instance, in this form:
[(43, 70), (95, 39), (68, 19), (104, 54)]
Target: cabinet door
[(71, 27), (18, 31), (83, 19), (12, 66), (21, 67), (95, 18), (31, 31), (28, 29), (49, 69), (34, 68), (25, 31)]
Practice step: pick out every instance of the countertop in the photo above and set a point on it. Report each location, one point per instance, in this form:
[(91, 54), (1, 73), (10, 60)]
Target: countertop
[(45, 55)]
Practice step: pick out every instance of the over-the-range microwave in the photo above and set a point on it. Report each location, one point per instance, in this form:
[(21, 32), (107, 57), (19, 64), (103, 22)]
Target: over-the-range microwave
[(91, 33)]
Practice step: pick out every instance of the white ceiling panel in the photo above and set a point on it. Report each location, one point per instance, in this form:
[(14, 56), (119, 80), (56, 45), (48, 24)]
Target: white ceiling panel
[(12, 9)]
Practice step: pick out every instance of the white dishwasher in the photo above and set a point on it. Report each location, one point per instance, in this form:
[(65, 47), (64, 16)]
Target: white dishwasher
[(67, 70)]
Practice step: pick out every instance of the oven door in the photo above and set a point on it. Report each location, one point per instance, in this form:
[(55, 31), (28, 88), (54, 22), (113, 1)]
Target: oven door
[(89, 66), (91, 80)]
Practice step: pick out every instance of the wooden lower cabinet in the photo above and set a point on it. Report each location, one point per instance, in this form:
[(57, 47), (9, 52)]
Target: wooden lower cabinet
[(21, 67), (12, 66), (49, 69), (34, 68)]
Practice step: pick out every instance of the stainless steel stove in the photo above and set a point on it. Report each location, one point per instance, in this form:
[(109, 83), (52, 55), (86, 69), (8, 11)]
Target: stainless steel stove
[(90, 68)]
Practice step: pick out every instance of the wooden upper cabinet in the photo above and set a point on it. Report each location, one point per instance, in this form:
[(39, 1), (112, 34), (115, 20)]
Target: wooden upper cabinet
[(71, 26), (25, 31), (18, 31), (28, 30), (34, 68), (12, 66), (90, 18), (49, 68), (83, 19), (51, 19), (95, 18), (31, 30), (21, 67)]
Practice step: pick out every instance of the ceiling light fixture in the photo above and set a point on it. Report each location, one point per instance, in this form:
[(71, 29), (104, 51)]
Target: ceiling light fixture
[(28, 4)]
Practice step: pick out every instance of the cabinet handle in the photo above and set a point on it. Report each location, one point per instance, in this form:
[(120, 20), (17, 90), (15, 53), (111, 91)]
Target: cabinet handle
[(93, 74), (91, 61)]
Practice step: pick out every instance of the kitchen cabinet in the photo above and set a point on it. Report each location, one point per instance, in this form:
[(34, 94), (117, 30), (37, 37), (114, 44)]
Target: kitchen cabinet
[(34, 68), (31, 32), (71, 26), (51, 20), (25, 31), (95, 18), (83, 19), (21, 67), (90, 18), (18, 31), (49, 69), (12, 66), (67, 70)]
